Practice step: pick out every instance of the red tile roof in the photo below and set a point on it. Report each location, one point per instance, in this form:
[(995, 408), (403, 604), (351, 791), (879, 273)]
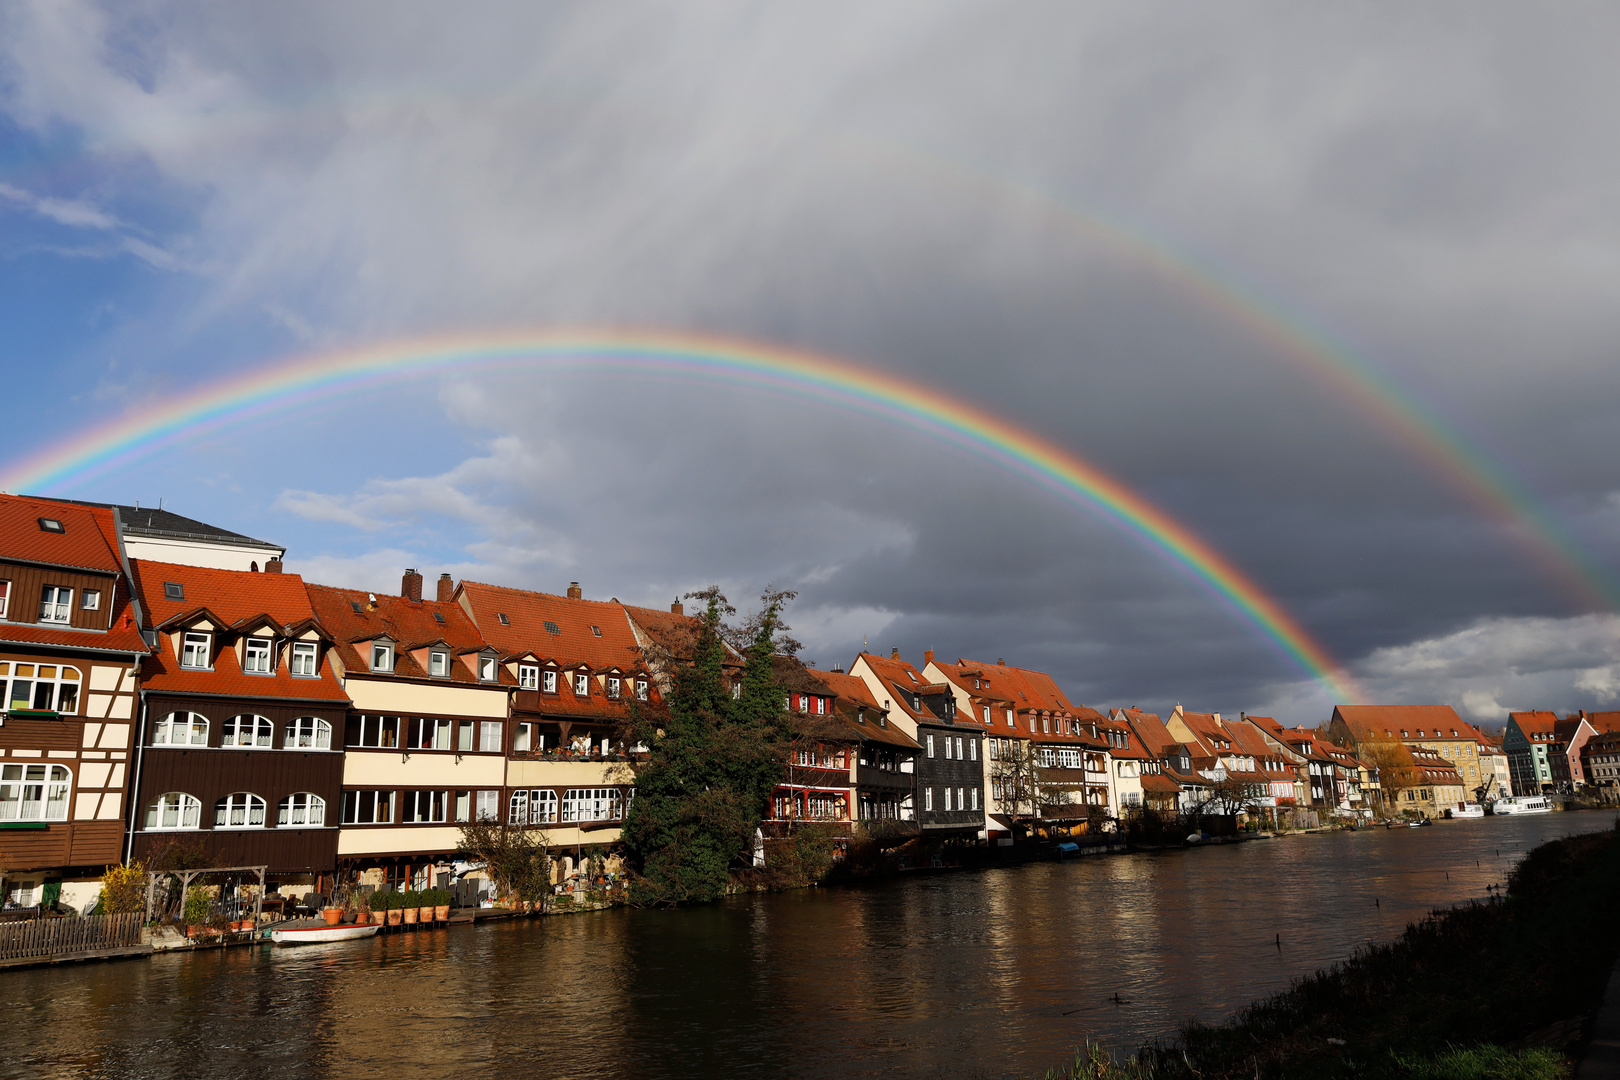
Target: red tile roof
[(89, 540), (163, 673), (530, 617), (1391, 720), (409, 623)]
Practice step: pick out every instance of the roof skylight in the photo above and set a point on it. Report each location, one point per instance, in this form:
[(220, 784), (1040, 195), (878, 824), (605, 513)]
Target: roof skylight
[(504, 620), (51, 525), (552, 628), (173, 590)]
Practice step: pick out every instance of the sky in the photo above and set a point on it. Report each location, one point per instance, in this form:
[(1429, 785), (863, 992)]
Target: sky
[(1179, 242)]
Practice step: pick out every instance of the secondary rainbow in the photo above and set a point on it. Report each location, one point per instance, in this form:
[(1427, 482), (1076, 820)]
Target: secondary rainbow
[(290, 384)]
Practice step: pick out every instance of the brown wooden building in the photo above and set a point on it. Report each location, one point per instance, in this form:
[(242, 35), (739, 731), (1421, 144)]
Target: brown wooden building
[(70, 651), (242, 723)]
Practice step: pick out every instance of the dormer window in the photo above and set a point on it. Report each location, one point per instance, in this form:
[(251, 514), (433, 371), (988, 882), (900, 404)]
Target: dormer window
[(641, 689), (438, 663), (486, 669), (582, 685), (173, 590), (90, 600), (55, 603), (303, 658), (548, 682), (194, 649), (528, 677), (382, 657), (613, 686), (256, 656)]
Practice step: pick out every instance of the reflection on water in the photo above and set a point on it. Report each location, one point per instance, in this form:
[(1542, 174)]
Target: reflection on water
[(975, 974)]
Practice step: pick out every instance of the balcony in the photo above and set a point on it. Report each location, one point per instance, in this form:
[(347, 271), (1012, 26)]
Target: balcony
[(882, 779)]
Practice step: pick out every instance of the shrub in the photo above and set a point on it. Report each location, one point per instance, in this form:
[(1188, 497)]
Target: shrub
[(123, 889)]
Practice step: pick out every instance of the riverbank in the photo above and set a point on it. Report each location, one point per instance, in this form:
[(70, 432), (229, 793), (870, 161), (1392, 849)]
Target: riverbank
[(1504, 988)]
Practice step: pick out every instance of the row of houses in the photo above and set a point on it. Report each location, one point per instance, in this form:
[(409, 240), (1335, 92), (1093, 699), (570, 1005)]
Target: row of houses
[(170, 684), (1577, 753)]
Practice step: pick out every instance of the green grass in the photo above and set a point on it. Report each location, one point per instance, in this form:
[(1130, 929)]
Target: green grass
[(1501, 989)]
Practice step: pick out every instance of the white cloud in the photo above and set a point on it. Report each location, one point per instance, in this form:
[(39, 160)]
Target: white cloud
[(80, 215)]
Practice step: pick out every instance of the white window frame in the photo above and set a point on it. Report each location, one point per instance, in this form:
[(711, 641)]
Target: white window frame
[(930, 738), (34, 792), (192, 728), (185, 807), (613, 686), (593, 804), (489, 736), (195, 645), (243, 804), (428, 802), (641, 689), (528, 677), (486, 669), (535, 806), (928, 798), (55, 604), (90, 600), (548, 683), (260, 736), (356, 800), (487, 804), (308, 733), (301, 810), (383, 652), (305, 660), (582, 685), (947, 798), (5, 597), (258, 654), (438, 663), (57, 692), (973, 752)]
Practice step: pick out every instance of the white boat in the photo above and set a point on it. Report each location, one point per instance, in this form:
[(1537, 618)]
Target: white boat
[(1522, 804), (1472, 809), (320, 935)]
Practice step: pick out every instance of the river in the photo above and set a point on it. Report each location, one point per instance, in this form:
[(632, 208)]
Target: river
[(994, 973)]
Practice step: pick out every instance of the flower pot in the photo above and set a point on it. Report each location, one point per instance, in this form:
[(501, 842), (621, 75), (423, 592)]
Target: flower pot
[(442, 912), (194, 931), (395, 915), (410, 915), (362, 918), (333, 915), (242, 924)]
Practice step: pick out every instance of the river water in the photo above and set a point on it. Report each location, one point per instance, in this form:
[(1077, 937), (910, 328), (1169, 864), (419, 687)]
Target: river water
[(975, 974)]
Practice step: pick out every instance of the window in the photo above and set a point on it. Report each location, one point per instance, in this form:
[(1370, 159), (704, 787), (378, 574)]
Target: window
[(489, 805), (427, 733), (501, 615), (368, 807), (243, 810), (551, 627), (528, 677), (641, 689), (489, 736), (613, 686), (930, 744), (54, 604), (486, 669), (961, 800), (973, 753), (535, 807), (256, 658), (582, 686), (378, 731), (34, 792), (173, 590), (425, 807), (947, 799), (597, 631), (5, 597), (958, 748), (301, 809), (1010, 719), (928, 798), (303, 658), (438, 617), (181, 729), (592, 804), (51, 525), (194, 649), (523, 739), (947, 748), (975, 799), (548, 682), (464, 737), (174, 810), (438, 663), (382, 657), (246, 731), (90, 600), (309, 733), (984, 714), (354, 606), (43, 687)]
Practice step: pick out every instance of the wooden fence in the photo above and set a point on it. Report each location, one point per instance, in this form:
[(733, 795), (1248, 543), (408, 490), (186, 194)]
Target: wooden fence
[(59, 937)]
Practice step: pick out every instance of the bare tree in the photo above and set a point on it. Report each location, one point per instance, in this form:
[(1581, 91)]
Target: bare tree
[(1015, 784)]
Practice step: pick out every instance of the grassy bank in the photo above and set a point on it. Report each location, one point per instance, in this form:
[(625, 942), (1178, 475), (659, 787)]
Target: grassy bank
[(1501, 989)]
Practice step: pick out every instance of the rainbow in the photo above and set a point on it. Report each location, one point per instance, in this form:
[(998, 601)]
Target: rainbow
[(1467, 468), (290, 384)]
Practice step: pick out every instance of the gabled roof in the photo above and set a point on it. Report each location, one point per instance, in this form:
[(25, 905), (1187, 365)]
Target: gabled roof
[(231, 595), (1388, 721), (594, 632), (144, 521), (411, 623), (1154, 736), (902, 680), (88, 540)]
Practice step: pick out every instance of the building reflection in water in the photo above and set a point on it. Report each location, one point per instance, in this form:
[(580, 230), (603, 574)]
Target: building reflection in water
[(997, 973)]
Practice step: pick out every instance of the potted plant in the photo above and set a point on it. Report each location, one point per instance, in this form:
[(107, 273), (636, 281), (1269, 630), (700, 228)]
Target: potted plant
[(362, 910), (396, 908), (408, 900), (195, 912), (441, 905), (332, 914)]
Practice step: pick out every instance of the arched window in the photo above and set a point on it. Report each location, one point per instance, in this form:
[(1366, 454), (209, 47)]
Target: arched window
[(247, 730), (243, 810), (309, 733), (533, 807), (181, 729), (45, 687), (174, 810), (34, 792), (302, 808)]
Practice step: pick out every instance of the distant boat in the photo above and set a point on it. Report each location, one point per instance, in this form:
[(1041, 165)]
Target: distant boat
[(1472, 809), (1523, 804), (320, 935)]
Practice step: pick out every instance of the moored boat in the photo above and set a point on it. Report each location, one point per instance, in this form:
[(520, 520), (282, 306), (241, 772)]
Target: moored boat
[(1522, 804), (1468, 810), (321, 934)]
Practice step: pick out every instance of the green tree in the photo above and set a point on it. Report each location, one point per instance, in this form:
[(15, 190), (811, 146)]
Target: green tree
[(713, 760)]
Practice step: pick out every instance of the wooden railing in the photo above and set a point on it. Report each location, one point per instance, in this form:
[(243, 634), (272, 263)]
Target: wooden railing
[(58, 937)]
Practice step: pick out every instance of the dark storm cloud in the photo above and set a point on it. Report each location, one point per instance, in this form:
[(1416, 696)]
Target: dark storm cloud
[(1430, 186)]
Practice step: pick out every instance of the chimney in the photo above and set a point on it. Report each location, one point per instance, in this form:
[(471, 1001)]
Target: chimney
[(1000, 662), (447, 588), (837, 671), (928, 657), (894, 654), (272, 566), (410, 586), (677, 607), (574, 591)]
